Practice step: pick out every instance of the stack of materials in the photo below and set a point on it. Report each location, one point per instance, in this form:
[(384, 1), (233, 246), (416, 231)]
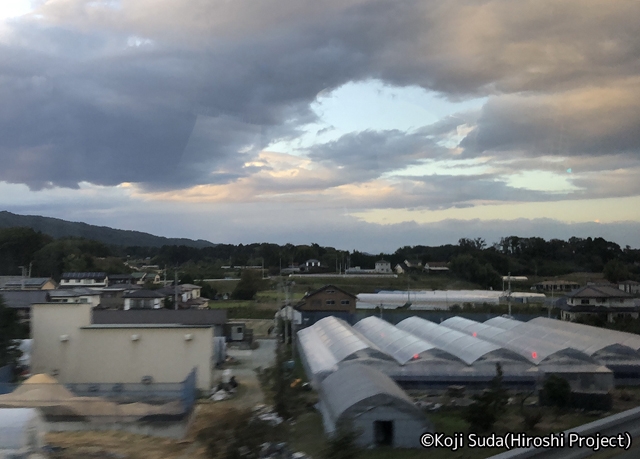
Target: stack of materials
[(45, 392)]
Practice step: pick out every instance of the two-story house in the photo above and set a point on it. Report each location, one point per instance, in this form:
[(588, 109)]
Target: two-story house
[(90, 280), (327, 301), (599, 300)]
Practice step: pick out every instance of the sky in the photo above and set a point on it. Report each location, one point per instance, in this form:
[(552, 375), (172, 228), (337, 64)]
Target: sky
[(357, 124)]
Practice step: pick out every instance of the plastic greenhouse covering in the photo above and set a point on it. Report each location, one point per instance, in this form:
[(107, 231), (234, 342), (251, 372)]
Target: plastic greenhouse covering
[(435, 299), (466, 347), (399, 344), (533, 349), (316, 355), (351, 385), (343, 341), (611, 336), (584, 342)]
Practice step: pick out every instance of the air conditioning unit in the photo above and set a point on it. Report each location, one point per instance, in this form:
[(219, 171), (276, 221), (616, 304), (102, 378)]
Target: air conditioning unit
[(135, 337), (64, 338), (188, 337)]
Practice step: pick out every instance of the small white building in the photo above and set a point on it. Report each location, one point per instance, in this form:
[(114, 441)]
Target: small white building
[(383, 267), (21, 432)]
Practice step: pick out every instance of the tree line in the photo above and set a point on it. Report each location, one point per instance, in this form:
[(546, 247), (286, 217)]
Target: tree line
[(469, 259)]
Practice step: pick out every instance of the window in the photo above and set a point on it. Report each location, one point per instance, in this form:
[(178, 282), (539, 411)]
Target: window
[(345, 302), (584, 301), (331, 291), (331, 302)]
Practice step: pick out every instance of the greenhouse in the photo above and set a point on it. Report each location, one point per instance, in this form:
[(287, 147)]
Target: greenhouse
[(467, 348), (330, 343), (373, 405), (582, 371), (611, 336), (402, 346), (434, 364)]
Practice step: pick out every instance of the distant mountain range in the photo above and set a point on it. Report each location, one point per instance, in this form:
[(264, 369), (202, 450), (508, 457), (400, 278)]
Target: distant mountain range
[(58, 228)]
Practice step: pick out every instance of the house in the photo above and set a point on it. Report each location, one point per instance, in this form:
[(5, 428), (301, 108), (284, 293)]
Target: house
[(312, 263), (416, 264), (111, 297), (326, 301), (630, 286), (558, 285), (401, 268), (436, 267), (21, 300), (383, 267), (69, 346), (143, 299), (88, 279), (188, 296), (595, 300), (119, 279), (141, 278), (27, 283), (75, 295)]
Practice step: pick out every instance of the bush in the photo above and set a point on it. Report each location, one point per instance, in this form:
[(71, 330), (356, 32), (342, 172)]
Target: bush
[(557, 391), (483, 413), (342, 444), (236, 433)]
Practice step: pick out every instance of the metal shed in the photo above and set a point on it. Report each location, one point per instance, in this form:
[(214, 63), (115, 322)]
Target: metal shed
[(21, 432), (372, 404)]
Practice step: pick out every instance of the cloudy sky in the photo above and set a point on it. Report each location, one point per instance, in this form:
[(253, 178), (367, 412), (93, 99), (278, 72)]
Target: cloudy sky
[(361, 124)]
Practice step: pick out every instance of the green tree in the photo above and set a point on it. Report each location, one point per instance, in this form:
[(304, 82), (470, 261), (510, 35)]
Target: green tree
[(557, 391), (615, 271), (10, 331), (247, 287)]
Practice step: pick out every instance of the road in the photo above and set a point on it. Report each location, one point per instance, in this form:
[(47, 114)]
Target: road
[(244, 371)]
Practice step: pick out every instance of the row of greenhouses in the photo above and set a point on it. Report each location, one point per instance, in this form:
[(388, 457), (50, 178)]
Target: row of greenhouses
[(419, 354)]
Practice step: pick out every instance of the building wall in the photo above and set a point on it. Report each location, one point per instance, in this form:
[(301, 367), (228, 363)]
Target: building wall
[(109, 355), (321, 301), (407, 429)]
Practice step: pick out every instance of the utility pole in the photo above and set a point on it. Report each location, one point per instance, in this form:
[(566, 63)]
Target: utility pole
[(175, 289), (23, 271), (509, 294)]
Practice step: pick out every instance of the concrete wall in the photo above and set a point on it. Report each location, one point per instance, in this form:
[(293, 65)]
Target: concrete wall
[(109, 355)]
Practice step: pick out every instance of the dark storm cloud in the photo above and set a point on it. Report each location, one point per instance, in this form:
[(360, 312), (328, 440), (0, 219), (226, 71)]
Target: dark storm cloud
[(168, 93)]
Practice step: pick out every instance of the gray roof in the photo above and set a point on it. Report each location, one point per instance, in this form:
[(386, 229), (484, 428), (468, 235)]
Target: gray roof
[(160, 316), (599, 291), (92, 275), (17, 282), (72, 292), (23, 299), (190, 286), (356, 384), (143, 293)]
